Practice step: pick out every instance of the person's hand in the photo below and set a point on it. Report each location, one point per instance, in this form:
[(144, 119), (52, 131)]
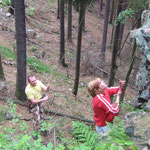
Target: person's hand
[(119, 93), (45, 98), (121, 83)]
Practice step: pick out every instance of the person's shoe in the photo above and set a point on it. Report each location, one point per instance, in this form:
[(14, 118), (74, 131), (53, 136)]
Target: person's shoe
[(35, 137)]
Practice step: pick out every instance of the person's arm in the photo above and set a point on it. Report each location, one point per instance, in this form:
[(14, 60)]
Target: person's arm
[(44, 88), (114, 90), (110, 115), (107, 107), (33, 101)]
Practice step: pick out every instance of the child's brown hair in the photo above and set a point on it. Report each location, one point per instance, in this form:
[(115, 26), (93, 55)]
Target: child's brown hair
[(93, 87)]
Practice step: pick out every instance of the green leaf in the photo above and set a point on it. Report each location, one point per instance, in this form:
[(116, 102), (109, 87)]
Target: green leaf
[(129, 143), (120, 148), (134, 147), (102, 147), (113, 147)]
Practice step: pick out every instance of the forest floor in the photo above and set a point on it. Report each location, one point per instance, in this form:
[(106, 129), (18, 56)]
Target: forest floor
[(44, 45)]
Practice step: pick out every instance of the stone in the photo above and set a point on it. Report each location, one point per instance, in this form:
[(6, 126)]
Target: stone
[(137, 126), (145, 148), (147, 107), (142, 36), (8, 14)]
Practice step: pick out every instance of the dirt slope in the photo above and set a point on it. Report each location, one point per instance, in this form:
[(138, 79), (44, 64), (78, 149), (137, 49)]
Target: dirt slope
[(46, 41)]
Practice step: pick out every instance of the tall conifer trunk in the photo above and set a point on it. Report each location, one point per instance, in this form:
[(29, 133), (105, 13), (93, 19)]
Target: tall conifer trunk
[(105, 27), (69, 20), (21, 49), (1, 70), (115, 48), (62, 34), (79, 43)]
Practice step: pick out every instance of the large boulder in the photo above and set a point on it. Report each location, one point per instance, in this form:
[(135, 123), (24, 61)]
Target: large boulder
[(137, 126)]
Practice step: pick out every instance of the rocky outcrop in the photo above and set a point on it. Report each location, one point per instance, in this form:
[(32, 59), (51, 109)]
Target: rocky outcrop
[(142, 36), (137, 126)]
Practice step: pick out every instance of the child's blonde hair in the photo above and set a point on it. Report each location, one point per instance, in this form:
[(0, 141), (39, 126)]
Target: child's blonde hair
[(93, 87)]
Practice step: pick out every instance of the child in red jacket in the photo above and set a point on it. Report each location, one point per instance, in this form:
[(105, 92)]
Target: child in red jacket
[(104, 111)]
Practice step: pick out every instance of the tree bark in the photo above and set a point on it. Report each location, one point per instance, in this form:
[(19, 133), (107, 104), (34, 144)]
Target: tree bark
[(70, 116), (58, 11), (105, 27), (84, 9), (101, 7), (129, 71), (111, 12), (121, 26), (113, 26), (1, 70), (21, 49), (70, 20), (115, 48), (62, 35), (79, 43)]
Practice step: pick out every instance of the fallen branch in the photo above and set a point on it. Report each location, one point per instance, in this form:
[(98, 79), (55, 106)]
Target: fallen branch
[(53, 112), (70, 116)]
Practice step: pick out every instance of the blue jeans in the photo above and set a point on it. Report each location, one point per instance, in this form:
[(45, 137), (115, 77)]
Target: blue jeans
[(101, 130)]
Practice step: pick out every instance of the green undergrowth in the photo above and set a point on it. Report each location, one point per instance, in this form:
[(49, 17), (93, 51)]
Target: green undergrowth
[(6, 3), (116, 139), (16, 136), (34, 64)]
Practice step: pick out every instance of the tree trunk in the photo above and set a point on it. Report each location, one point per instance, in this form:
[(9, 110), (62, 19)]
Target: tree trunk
[(1, 70), (113, 27), (12, 8), (101, 7), (105, 27), (70, 20), (79, 43), (122, 26), (84, 9), (115, 48), (111, 12), (129, 71), (62, 35), (21, 49), (58, 11)]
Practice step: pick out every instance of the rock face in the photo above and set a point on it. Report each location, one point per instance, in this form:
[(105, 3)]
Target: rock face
[(137, 126), (142, 36)]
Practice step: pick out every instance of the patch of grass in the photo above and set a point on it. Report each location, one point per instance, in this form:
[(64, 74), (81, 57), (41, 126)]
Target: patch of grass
[(32, 48), (2, 116), (57, 74), (51, 4), (7, 53), (30, 11), (6, 3), (36, 63)]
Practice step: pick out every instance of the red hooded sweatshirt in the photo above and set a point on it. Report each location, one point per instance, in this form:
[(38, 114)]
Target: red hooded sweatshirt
[(104, 111)]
